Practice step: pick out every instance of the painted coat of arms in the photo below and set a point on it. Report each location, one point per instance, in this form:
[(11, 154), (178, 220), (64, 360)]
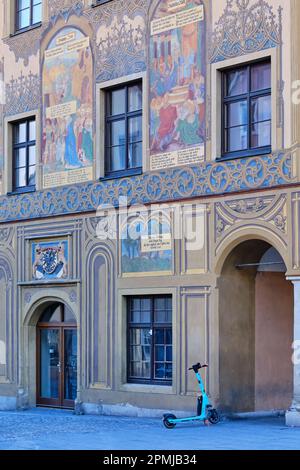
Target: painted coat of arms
[(50, 260)]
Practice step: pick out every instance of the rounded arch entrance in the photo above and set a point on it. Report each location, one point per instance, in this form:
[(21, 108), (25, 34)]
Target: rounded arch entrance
[(255, 328), (51, 350)]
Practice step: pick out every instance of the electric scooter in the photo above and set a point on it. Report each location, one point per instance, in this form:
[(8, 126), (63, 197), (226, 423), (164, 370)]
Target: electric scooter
[(205, 411)]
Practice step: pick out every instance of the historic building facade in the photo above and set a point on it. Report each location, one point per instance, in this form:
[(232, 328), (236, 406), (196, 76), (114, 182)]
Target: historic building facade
[(149, 208)]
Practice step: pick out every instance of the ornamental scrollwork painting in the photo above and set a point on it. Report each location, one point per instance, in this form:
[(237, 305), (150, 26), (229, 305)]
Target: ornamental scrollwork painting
[(22, 94), (245, 27), (271, 210), (208, 178)]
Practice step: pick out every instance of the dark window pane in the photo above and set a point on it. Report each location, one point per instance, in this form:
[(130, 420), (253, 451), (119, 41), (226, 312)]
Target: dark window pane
[(22, 4), (159, 370), (135, 336), (21, 133), (136, 304), (24, 18), (145, 316), (117, 102), (159, 336), (169, 336), (117, 158), (145, 304), (20, 158), (32, 130), (160, 303), (261, 109), (237, 114), (146, 337), (237, 82), (32, 171), (159, 353), (169, 353), (135, 155), (261, 134), (260, 76), (37, 13), (117, 133), (135, 98), (237, 139), (169, 371), (21, 178), (135, 129), (32, 155)]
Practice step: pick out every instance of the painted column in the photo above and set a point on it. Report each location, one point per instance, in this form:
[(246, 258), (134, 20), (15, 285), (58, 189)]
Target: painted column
[(293, 414)]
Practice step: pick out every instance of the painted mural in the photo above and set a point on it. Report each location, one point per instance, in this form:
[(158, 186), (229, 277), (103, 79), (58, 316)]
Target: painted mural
[(146, 246), (67, 109), (50, 260), (177, 84)]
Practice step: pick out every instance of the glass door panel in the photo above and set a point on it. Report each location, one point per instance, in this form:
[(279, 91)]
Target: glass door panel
[(50, 365), (70, 364)]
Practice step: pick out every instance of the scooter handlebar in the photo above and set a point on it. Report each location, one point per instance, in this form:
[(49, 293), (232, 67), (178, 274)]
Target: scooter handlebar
[(197, 367)]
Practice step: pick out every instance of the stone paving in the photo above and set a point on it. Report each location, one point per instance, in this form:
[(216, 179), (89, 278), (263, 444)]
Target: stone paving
[(40, 429)]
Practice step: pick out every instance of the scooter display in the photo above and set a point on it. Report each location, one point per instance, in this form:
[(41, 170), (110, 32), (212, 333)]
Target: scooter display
[(205, 410)]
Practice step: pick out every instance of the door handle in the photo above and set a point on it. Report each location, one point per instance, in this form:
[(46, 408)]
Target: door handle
[(59, 367)]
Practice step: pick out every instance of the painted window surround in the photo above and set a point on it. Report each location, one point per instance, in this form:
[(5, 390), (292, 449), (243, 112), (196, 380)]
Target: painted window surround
[(8, 150), (216, 84), (100, 121)]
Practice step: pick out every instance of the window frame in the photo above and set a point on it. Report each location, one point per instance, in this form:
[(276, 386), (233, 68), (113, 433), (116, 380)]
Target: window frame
[(152, 326), (31, 25), (249, 96), (126, 116), (15, 147)]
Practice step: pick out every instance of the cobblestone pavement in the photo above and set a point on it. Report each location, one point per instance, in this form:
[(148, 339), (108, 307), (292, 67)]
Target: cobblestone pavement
[(40, 429)]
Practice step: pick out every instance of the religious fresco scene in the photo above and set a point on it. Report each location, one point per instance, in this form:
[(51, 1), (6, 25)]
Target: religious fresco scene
[(67, 140), (177, 83), (50, 260)]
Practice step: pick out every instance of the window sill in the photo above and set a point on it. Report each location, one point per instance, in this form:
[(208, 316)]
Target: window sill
[(98, 4), (122, 174), (22, 191), (25, 30), (237, 155), (144, 388)]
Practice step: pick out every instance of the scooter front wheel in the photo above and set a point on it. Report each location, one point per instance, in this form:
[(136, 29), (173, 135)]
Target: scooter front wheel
[(213, 416), (167, 423)]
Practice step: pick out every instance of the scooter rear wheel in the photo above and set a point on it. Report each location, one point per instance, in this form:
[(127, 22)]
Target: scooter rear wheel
[(213, 416), (167, 423)]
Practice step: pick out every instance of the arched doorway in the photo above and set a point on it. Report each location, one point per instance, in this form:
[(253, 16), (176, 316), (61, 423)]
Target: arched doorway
[(256, 330), (56, 357)]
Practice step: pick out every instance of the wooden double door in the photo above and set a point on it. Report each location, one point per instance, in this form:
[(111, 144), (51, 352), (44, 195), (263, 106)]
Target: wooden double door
[(56, 365)]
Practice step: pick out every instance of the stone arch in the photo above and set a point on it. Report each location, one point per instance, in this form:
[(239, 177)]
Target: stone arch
[(39, 301), (251, 233)]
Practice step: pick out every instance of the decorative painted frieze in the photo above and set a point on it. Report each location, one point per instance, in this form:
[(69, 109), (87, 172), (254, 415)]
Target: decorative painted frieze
[(210, 178)]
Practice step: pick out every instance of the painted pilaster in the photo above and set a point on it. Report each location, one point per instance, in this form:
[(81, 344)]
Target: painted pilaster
[(293, 414)]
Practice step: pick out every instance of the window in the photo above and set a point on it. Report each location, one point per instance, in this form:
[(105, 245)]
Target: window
[(247, 110), (24, 155), (123, 148), (28, 13), (150, 340)]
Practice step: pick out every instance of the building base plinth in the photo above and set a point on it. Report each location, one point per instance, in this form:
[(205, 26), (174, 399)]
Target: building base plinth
[(292, 418)]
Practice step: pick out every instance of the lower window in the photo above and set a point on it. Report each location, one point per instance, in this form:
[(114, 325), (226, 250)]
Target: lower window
[(150, 340)]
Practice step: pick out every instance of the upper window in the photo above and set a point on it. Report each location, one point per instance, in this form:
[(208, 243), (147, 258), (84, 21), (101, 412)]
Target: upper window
[(150, 340), (28, 13), (24, 155), (124, 129), (247, 110)]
